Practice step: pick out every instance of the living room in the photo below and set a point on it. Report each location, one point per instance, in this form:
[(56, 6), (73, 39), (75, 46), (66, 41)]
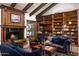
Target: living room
[(39, 29)]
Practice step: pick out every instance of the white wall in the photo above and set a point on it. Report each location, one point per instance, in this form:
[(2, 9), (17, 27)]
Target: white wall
[(63, 7), (27, 17), (0, 27)]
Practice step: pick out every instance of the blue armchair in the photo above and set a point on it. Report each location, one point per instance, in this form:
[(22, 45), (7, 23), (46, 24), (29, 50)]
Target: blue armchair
[(65, 43)]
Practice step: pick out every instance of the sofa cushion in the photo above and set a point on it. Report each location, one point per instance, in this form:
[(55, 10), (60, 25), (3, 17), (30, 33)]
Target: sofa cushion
[(54, 40), (57, 45), (61, 41)]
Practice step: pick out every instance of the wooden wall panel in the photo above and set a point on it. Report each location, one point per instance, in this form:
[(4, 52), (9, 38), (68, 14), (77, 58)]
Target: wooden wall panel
[(7, 17), (6, 21)]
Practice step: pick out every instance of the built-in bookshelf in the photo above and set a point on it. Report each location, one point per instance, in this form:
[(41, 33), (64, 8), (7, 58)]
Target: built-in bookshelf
[(70, 21), (57, 24), (45, 24), (61, 24)]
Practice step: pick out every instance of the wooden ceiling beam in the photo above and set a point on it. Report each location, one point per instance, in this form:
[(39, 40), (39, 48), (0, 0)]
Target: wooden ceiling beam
[(38, 8), (27, 6), (13, 4), (45, 10)]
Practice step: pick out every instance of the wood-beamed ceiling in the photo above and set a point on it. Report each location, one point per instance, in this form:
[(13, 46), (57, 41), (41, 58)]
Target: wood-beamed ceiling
[(37, 9)]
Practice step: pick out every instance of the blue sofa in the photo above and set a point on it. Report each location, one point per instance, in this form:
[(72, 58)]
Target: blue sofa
[(8, 51), (36, 52), (64, 42), (12, 50), (20, 50)]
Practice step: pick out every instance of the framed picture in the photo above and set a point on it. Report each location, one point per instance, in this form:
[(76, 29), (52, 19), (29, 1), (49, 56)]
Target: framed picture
[(15, 18)]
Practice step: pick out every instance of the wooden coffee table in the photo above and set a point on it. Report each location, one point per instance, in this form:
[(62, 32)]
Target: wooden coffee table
[(38, 46), (50, 50)]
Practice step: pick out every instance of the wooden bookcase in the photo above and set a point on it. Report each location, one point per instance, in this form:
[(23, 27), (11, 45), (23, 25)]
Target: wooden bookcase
[(40, 20), (45, 24), (61, 24), (70, 20), (57, 24)]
